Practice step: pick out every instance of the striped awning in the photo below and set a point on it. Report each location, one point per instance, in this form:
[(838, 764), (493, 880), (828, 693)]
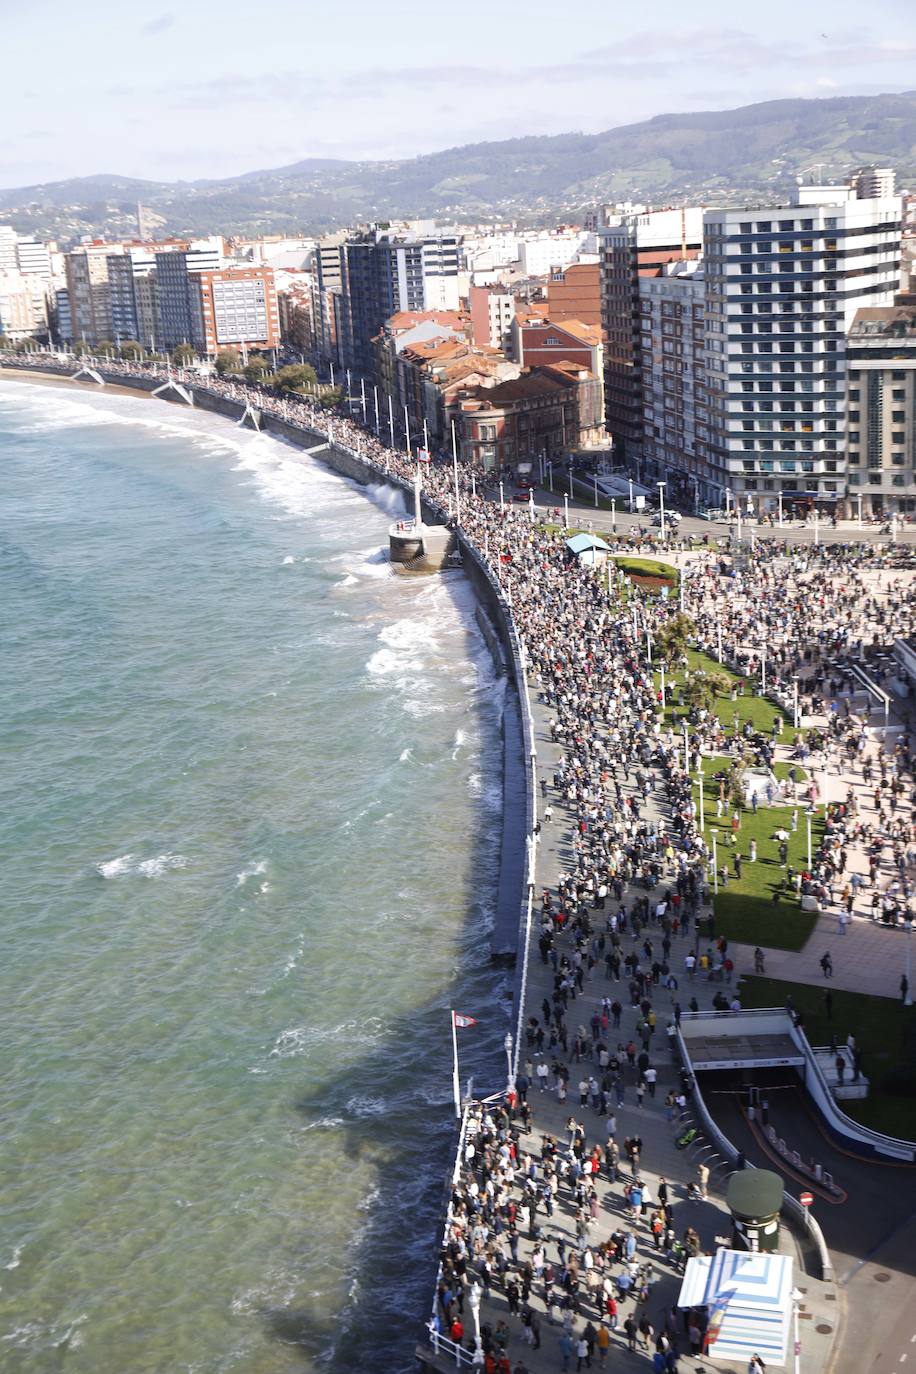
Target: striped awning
[(751, 1297)]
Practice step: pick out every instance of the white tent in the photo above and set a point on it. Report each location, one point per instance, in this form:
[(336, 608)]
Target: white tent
[(749, 1298)]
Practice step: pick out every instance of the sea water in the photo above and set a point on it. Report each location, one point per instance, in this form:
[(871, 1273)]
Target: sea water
[(250, 794)]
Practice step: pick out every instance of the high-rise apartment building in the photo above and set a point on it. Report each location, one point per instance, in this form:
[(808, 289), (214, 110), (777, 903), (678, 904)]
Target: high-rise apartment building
[(178, 305), (675, 444), (123, 271), (782, 287), (89, 292), (874, 183), (881, 411), (386, 271), (235, 306), (638, 247)]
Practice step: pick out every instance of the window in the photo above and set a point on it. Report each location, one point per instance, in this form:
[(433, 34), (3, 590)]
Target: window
[(763, 227)]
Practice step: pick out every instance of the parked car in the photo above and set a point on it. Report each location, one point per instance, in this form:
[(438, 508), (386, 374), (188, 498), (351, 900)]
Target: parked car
[(672, 517)]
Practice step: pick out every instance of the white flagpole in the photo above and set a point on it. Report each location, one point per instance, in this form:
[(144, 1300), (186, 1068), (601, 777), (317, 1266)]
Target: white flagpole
[(456, 1085)]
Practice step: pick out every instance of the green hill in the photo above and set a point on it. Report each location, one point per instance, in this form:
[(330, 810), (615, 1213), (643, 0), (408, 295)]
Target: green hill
[(717, 156)]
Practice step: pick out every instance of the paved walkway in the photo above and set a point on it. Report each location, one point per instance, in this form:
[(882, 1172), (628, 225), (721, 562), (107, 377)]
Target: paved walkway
[(660, 1158)]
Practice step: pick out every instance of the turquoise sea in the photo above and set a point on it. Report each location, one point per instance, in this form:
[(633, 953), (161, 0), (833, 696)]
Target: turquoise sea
[(247, 838)]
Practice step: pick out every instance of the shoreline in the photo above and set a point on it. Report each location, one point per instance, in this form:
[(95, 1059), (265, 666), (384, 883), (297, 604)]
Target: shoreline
[(511, 913)]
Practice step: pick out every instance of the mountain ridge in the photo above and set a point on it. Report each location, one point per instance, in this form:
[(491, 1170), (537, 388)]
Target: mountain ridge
[(713, 155)]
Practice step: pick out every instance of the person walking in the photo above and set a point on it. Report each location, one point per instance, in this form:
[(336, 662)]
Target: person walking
[(827, 964), (702, 1180)]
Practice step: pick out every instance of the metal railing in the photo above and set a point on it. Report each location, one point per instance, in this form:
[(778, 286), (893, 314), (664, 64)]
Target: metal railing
[(790, 1205)]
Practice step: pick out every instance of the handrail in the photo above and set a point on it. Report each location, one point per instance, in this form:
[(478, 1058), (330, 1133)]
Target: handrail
[(847, 1123), (790, 1204)]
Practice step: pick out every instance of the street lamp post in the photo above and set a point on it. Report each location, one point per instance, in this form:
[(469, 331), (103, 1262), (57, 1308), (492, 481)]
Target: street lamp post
[(686, 750), (859, 499), (474, 1300), (613, 516), (630, 485), (715, 863), (565, 511), (596, 493), (796, 1302), (502, 505), (763, 669), (780, 510), (661, 502), (700, 782), (719, 637), (649, 646), (795, 702), (808, 827), (664, 702), (908, 996), (507, 1046)]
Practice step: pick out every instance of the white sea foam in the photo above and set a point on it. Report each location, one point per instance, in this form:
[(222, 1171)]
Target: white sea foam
[(13, 1263), (289, 559), (127, 865), (254, 872), (405, 756), (163, 863)]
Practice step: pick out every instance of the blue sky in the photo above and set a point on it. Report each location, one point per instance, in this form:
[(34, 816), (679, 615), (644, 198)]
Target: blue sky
[(210, 89)]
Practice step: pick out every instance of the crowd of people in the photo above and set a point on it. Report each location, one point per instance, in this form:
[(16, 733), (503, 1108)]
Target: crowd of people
[(634, 880)]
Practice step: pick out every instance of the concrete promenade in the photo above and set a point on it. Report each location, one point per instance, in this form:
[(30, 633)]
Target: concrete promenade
[(650, 1121)]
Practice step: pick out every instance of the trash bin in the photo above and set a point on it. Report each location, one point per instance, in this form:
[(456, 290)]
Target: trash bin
[(754, 1198)]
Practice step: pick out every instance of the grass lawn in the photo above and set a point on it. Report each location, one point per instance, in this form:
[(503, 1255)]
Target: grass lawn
[(749, 707), (647, 567), (883, 1029), (744, 908)]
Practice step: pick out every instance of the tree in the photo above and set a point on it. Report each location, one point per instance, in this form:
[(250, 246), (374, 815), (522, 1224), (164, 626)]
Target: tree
[(331, 398), (105, 348), (5, 341), (81, 348), (183, 354), (228, 360), (131, 351), (257, 368), (702, 689), (296, 377), (26, 345), (671, 639)]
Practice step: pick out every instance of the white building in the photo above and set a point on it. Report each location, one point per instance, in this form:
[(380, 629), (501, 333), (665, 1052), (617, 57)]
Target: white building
[(538, 254), (783, 284), (23, 310)]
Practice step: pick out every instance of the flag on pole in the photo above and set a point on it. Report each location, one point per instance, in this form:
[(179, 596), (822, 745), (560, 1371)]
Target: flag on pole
[(462, 1022)]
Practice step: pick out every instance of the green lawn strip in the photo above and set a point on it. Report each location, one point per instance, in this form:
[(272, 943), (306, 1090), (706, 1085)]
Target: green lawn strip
[(744, 908), (747, 707), (884, 1029), (646, 567)]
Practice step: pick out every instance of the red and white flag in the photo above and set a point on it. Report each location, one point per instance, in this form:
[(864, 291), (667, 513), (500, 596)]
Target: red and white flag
[(463, 1021)]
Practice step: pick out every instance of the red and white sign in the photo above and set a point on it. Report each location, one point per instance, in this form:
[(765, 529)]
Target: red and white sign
[(424, 455), (806, 1199), (462, 1022)]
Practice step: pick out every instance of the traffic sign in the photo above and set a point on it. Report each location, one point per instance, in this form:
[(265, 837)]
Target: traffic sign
[(806, 1199)]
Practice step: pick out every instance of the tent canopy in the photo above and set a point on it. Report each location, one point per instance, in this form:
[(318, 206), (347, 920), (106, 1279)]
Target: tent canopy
[(749, 1298)]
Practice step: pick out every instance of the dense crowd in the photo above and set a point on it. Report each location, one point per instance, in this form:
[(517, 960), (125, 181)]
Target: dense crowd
[(636, 880)]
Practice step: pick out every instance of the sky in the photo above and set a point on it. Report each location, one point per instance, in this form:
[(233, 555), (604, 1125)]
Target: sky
[(169, 92)]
